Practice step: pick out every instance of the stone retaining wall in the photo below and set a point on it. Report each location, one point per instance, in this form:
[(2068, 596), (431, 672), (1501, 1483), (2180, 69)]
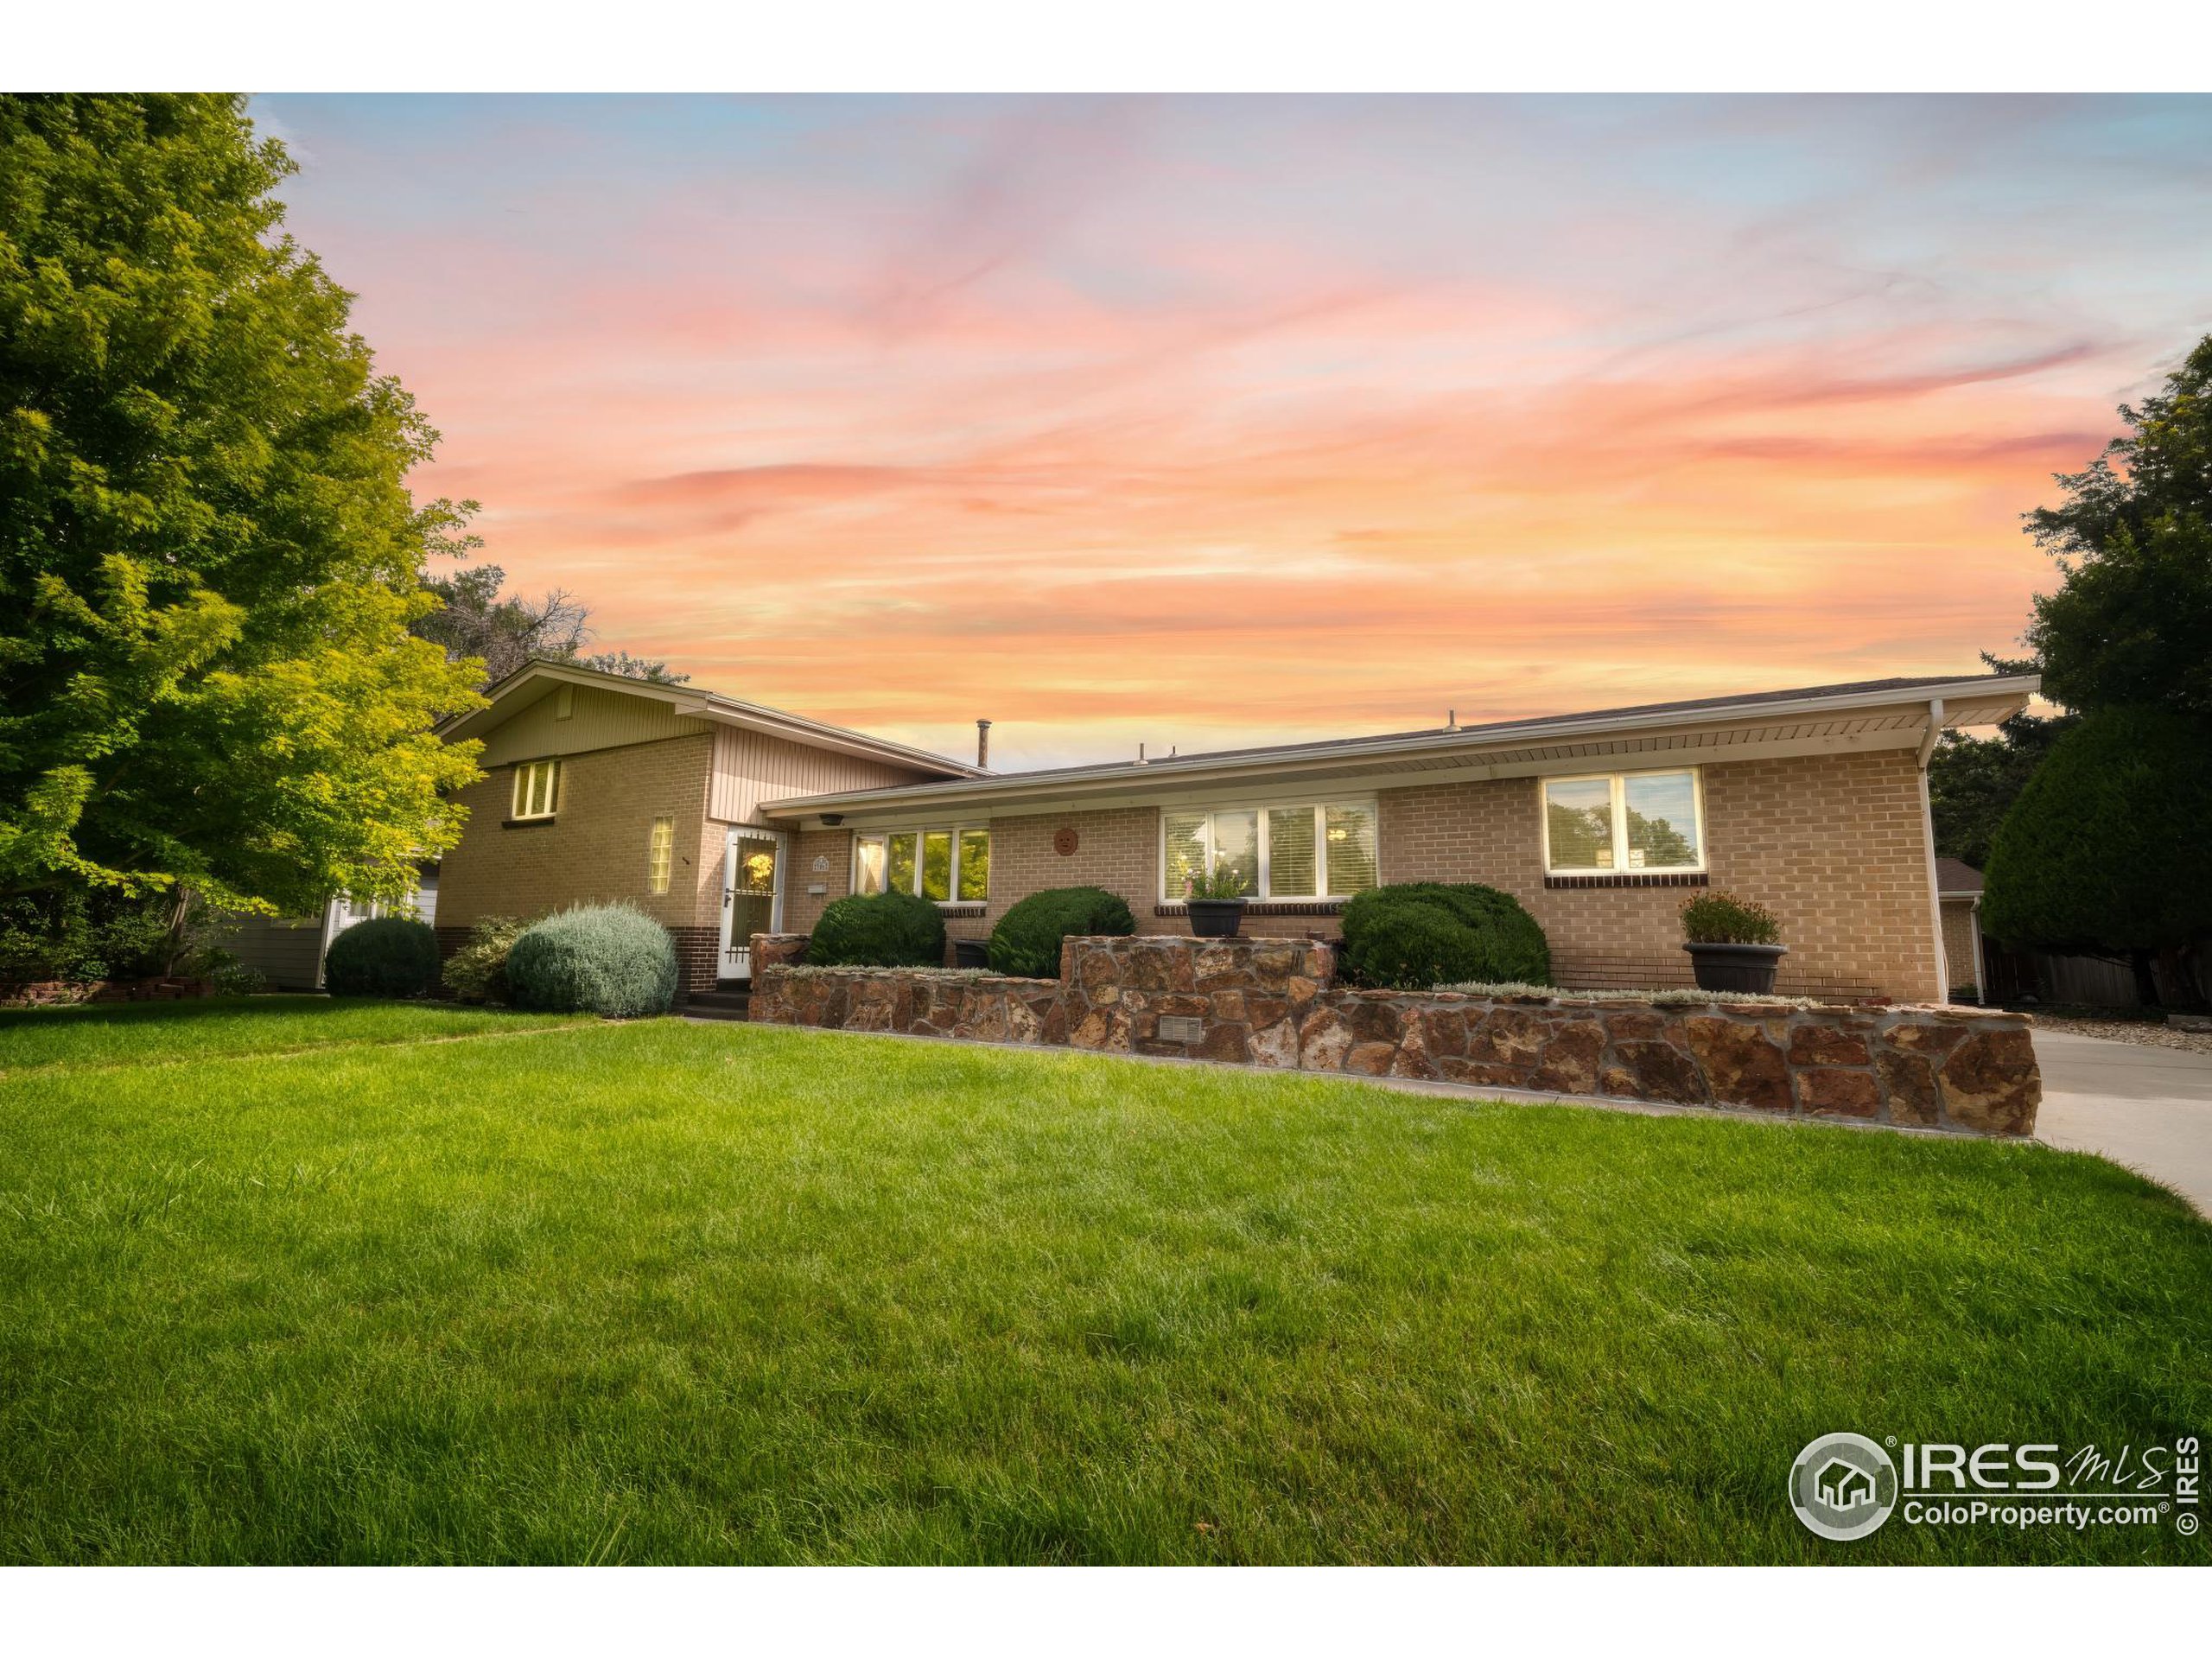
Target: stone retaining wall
[(1275, 1003)]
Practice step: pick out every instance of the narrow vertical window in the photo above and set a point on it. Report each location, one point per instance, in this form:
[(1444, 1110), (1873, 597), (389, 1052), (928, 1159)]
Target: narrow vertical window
[(660, 854), (903, 861), (975, 866), (1349, 837), (1186, 835), (867, 865), (1290, 852), (937, 865)]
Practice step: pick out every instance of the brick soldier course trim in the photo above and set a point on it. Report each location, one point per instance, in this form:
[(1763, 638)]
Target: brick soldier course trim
[(1275, 1003)]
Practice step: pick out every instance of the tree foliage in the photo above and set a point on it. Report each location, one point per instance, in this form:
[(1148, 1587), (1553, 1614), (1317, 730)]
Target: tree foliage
[(1972, 781), (476, 618), (2103, 853), (209, 560), (2129, 624)]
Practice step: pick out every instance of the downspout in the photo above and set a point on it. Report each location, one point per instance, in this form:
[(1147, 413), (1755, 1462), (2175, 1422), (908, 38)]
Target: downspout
[(1927, 835), (1980, 969)]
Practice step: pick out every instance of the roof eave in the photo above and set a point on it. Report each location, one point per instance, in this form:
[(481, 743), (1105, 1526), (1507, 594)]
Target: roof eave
[(706, 705), (1199, 769)]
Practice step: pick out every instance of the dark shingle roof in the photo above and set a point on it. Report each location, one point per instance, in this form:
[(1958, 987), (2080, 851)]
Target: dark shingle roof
[(1956, 875), (1854, 688)]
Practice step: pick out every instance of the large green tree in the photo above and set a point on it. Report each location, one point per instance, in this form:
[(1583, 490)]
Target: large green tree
[(2129, 624), (2103, 853), (209, 559), (1972, 781)]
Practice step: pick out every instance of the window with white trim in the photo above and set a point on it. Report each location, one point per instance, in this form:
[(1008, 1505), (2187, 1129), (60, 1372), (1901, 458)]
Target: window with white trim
[(537, 789), (1624, 823), (950, 864), (1322, 851), (660, 854)]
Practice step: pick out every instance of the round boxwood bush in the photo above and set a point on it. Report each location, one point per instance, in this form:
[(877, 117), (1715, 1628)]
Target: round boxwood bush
[(1419, 934), (886, 929), (610, 960), (385, 956), (1026, 941)]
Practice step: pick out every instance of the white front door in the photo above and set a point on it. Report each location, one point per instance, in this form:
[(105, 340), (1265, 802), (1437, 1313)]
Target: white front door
[(753, 896)]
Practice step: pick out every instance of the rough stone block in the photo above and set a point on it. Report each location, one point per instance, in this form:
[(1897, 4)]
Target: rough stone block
[(1989, 1083), (1659, 1070), (1815, 1044), (1742, 1064), (1830, 1091), (1568, 1063)]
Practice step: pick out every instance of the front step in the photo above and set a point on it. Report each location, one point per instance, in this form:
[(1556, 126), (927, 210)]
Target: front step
[(728, 1001)]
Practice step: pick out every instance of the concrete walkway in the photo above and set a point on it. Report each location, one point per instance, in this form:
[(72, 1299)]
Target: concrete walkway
[(2148, 1108)]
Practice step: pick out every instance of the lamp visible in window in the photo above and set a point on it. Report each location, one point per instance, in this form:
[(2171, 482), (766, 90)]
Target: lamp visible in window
[(660, 853)]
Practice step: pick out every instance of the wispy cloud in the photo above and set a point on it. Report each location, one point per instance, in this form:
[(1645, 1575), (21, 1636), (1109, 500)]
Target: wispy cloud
[(1219, 419)]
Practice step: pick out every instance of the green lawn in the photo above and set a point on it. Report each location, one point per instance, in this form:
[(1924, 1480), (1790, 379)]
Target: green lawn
[(676, 1293), (143, 1033)]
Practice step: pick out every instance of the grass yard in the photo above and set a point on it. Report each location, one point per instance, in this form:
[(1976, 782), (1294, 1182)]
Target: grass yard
[(677, 1292)]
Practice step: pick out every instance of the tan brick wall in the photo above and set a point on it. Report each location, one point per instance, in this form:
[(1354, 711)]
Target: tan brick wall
[(1958, 943), (595, 851), (802, 909), (1835, 845)]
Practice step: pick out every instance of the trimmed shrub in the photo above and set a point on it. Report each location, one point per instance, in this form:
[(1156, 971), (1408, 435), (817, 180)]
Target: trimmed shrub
[(1026, 941), (1418, 935), (1723, 918), (611, 960), (886, 929), (478, 971), (385, 956)]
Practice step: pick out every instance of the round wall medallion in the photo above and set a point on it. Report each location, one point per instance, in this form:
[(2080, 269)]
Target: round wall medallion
[(1064, 842)]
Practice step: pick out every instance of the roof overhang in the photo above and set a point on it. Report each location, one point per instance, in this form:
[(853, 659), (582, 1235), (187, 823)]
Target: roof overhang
[(529, 681), (1751, 730)]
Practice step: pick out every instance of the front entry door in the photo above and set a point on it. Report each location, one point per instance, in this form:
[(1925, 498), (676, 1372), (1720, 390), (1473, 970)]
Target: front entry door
[(753, 896)]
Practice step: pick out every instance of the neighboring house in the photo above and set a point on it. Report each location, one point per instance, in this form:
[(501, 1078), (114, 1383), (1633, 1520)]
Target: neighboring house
[(724, 819), (600, 787), (1957, 886), (288, 950)]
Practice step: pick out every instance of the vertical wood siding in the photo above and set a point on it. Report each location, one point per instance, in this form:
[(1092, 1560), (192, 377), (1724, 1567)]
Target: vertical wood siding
[(751, 767), (600, 720)]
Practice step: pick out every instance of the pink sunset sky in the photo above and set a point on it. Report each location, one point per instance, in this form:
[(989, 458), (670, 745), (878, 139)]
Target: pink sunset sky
[(1205, 421)]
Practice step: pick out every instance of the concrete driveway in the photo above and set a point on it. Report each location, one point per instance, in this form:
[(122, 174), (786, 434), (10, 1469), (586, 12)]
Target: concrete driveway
[(2148, 1108)]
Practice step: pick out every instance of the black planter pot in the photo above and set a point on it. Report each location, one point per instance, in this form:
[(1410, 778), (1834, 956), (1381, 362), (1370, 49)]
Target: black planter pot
[(1216, 918), (1735, 967)]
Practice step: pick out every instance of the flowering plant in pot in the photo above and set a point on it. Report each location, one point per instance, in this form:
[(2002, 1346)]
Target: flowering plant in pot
[(1735, 943), (1216, 902)]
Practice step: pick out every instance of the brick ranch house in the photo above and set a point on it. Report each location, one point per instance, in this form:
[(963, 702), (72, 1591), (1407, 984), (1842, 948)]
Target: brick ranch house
[(722, 818)]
